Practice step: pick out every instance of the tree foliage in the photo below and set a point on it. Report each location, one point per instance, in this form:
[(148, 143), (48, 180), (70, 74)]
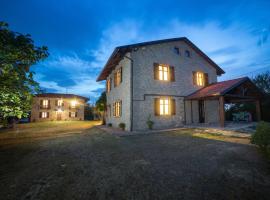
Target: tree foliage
[(17, 54), (262, 81), (262, 135), (101, 102)]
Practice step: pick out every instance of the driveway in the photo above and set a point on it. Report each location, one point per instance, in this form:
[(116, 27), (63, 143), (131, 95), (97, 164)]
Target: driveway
[(96, 165)]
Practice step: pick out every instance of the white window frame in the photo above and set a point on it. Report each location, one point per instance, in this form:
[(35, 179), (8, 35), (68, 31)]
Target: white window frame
[(163, 72)]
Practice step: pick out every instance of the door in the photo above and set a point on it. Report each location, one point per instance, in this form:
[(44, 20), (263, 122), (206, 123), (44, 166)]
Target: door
[(58, 115), (201, 111)]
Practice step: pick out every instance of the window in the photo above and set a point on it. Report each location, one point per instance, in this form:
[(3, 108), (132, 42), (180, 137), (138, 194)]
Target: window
[(72, 114), (164, 106), (118, 77), (164, 72), (45, 103), (177, 50), (200, 78), (59, 102), (73, 104), (44, 114), (117, 109), (108, 85), (187, 53)]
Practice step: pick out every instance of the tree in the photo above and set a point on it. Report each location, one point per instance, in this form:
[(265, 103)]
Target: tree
[(17, 54), (101, 106), (262, 81)]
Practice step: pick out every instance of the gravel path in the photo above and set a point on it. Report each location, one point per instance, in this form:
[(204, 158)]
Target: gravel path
[(96, 165)]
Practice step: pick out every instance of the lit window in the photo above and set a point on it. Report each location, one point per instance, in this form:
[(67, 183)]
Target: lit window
[(118, 77), (59, 102), (117, 106), (73, 104), (73, 114), (163, 72), (200, 78), (164, 106), (45, 103), (44, 115)]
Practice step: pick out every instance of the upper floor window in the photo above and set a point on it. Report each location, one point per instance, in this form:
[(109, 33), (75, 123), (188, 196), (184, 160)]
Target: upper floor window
[(118, 77), (163, 72), (176, 50), (108, 85), (44, 103), (200, 78), (72, 114), (164, 106), (59, 102), (117, 108), (187, 53), (73, 104)]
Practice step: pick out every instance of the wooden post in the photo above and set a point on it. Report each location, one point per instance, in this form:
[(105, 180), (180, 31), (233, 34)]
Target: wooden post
[(258, 110), (221, 111)]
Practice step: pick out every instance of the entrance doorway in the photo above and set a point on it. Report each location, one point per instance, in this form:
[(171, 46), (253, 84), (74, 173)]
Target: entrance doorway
[(58, 115), (201, 111)]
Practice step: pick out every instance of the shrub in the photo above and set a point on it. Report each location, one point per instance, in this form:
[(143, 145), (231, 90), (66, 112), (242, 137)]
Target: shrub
[(110, 124), (122, 126), (149, 122), (262, 135)]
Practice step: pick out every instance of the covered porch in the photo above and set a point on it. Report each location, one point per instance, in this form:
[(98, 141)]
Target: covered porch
[(240, 90)]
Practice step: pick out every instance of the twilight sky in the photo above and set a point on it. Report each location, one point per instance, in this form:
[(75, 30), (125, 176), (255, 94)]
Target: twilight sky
[(81, 34)]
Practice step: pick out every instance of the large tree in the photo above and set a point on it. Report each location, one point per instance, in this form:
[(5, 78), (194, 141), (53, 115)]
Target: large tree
[(17, 54), (101, 106)]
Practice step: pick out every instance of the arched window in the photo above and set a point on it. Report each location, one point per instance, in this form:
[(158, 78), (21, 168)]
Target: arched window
[(187, 53)]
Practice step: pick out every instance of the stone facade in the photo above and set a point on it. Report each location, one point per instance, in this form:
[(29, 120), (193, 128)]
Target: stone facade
[(64, 112), (139, 71)]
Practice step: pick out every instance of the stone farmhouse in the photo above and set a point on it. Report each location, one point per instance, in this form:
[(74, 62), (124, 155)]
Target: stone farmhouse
[(170, 82)]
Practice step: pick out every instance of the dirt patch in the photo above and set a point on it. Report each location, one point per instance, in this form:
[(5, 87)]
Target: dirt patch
[(96, 165)]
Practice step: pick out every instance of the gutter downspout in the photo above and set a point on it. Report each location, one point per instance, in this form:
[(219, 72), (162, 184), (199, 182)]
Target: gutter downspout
[(131, 92)]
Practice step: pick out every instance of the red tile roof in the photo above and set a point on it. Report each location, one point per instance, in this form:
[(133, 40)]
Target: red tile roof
[(59, 95), (217, 89)]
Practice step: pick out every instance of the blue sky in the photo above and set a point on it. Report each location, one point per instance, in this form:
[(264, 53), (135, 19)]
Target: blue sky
[(81, 34)]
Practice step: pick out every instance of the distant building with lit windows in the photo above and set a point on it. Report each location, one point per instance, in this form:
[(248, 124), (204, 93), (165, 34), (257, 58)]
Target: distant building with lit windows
[(57, 107)]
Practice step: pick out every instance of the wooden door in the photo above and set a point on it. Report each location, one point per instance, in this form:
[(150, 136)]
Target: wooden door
[(201, 111)]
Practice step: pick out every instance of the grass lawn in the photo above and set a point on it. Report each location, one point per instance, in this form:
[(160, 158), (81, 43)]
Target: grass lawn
[(96, 165), (41, 130)]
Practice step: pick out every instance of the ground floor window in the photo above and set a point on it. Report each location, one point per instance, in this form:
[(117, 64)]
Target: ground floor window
[(164, 106), (72, 114), (117, 108), (44, 115)]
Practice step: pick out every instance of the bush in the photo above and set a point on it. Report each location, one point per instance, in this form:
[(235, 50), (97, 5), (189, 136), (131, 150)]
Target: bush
[(262, 135), (149, 122), (122, 126), (110, 124)]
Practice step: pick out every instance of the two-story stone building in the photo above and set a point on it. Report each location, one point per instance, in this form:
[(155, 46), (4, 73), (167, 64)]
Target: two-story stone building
[(171, 82), (55, 106)]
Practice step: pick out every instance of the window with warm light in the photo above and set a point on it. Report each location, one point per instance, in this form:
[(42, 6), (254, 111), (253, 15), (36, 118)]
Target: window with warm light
[(164, 106), (118, 77), (73, 104), (73, 114), (117, 108), (59, 102), (108, 85), (163, 73), (200, 78), (44, 115), (45, 103)]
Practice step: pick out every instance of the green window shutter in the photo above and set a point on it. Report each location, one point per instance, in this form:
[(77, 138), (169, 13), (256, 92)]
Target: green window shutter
[(115, 79), (206, 81), (173, 107), (48, 115), (155, 68), (157, 106), (172, 74), (120, 108), (121, 74), (40, 114), (41, 101)]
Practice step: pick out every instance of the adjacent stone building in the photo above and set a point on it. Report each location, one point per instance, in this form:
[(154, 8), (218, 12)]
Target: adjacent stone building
[(57, 107), (153, 81)]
